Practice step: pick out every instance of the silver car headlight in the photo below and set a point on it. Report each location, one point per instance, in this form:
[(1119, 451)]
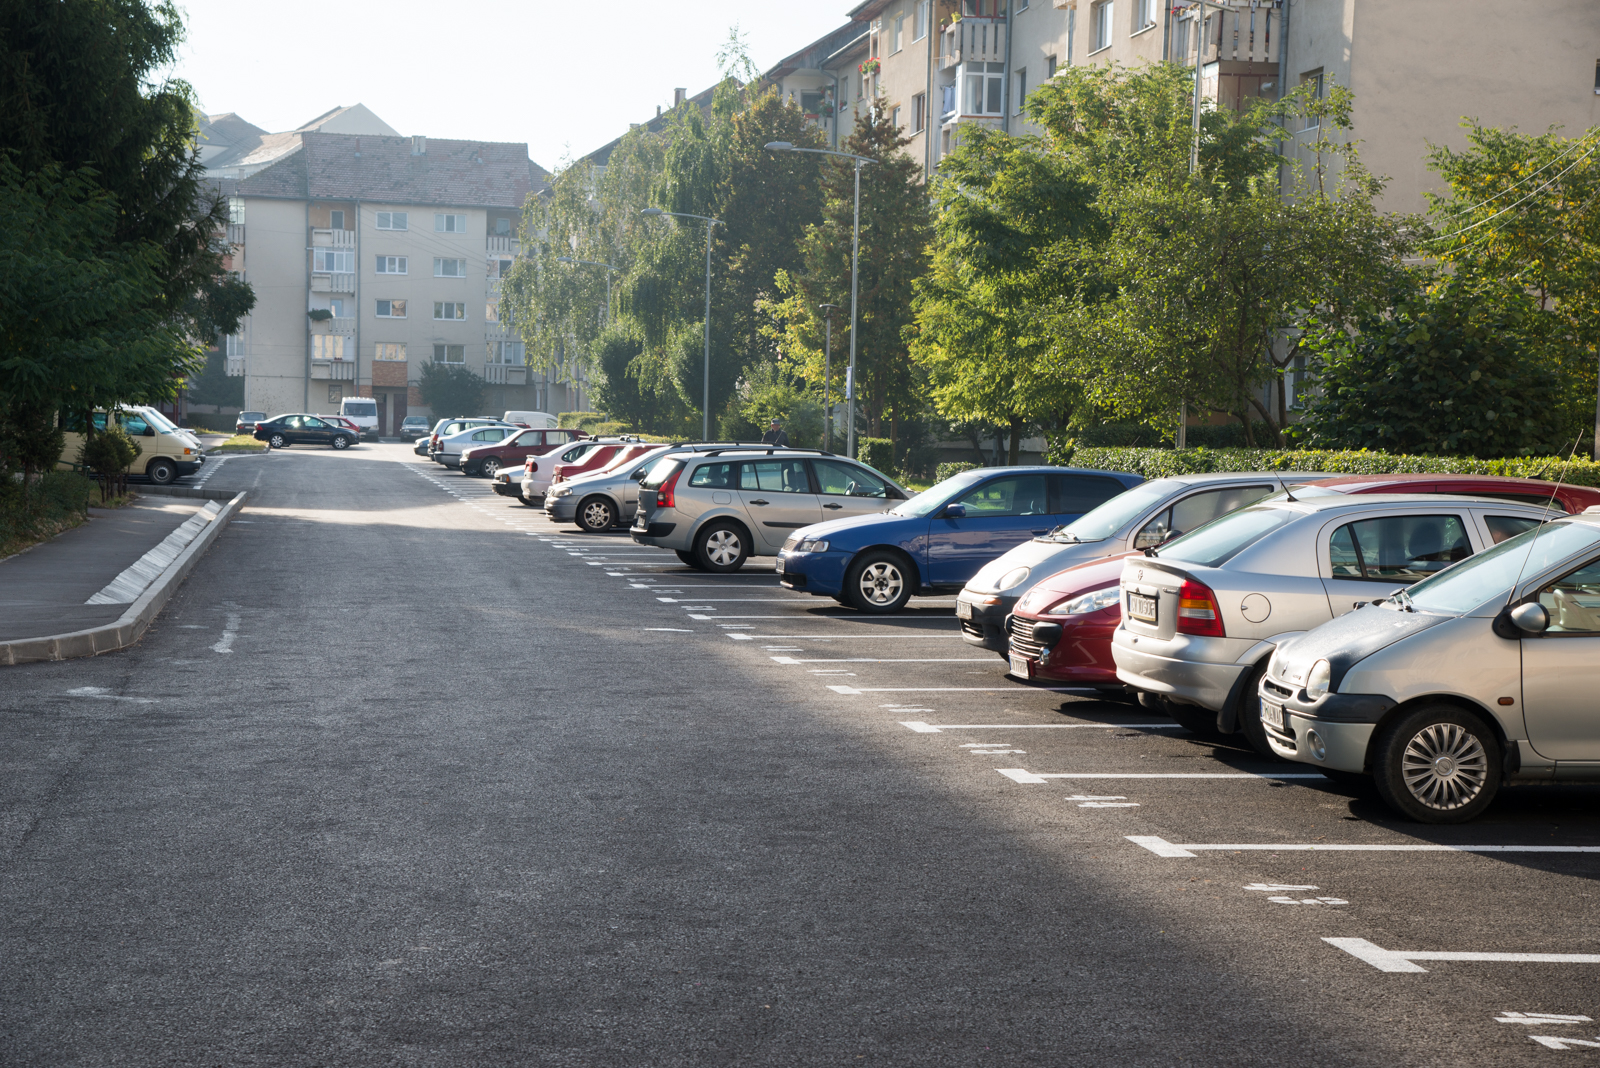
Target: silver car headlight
[(811, 545), (1088, 602), (1015, 577), (1318, 678)]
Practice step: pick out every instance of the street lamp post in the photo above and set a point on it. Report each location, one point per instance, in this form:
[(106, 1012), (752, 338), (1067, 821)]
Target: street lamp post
[(855, 251), (827, 374), (705, 400)]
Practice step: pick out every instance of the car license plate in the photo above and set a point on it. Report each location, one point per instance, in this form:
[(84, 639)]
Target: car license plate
[(1272, 714), (780, 565), (963, 610), (1141, 607), (1019, 666)]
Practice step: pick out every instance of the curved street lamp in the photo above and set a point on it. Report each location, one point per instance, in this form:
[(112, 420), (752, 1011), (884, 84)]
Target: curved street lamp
[(711, 225), (855, 250)]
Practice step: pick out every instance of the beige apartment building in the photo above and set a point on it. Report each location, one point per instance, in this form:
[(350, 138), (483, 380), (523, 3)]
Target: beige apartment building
[(373, 255)]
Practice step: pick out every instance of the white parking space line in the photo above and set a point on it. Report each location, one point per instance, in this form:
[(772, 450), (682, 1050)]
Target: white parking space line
[(1163, 848), (882, 660), (1014, 688), (1032, 778), (935, 728), (1401, 960), (837, 637)]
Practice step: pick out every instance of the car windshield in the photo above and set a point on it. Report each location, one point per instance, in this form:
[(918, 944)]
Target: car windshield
[(1492, 573), (1222, 539), (660, 472), (156, 419), (929, 500), (1101, 523)]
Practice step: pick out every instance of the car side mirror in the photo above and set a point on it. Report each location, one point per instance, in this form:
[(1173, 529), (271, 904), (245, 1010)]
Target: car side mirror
[(955, 510), (894, 494), (1530, 617), (1148, 539)]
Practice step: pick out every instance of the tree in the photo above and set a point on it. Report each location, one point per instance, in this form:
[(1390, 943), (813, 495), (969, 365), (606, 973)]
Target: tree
[(451, 391), (1452, 368)]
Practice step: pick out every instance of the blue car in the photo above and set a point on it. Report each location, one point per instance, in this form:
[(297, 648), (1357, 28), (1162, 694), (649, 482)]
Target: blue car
[(939, 539)]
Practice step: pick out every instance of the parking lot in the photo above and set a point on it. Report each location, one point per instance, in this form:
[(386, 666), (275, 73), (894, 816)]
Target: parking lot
[(469, 787)]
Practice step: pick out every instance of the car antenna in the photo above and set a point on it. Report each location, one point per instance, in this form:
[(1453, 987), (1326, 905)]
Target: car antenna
[(1548, 505), (1288, 496)]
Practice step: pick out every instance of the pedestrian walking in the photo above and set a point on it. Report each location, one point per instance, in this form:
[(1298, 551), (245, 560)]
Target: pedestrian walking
[(775, 434)]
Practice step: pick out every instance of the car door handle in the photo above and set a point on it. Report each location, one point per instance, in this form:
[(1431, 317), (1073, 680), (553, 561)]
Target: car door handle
[(758, 502), (833, 506)]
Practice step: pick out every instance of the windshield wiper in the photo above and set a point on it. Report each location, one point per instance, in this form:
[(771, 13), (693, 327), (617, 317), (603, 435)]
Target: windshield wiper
[(1402, 600)]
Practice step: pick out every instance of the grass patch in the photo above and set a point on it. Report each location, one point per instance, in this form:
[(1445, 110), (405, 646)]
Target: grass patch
[(241, 443)]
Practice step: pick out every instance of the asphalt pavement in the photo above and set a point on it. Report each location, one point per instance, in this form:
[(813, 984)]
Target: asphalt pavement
[(405, 774)]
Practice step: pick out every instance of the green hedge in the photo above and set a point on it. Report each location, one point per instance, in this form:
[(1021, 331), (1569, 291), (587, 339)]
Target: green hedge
[(944, 471), (876, 452), (579, 420), (1157, 463)]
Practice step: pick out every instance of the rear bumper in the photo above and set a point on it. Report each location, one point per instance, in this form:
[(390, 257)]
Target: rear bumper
[(1191, 681)]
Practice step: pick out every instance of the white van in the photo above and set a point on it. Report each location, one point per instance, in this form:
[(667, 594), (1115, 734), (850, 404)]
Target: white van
[(166, 452), (363, 412), (532, 420)]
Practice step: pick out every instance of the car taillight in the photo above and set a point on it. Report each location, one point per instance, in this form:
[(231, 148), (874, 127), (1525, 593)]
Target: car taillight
[(664, 496), (1198, 612)]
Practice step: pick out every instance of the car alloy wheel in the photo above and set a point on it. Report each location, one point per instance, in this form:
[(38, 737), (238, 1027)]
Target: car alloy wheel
[(879, 583), (595, 515), (341, 442), (721, 547), (489, 468), (1440, 764), (277, 441)]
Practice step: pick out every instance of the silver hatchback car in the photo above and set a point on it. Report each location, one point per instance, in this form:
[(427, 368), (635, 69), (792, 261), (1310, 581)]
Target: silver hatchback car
[(1486, 672), (1202, 615), (719, 508)]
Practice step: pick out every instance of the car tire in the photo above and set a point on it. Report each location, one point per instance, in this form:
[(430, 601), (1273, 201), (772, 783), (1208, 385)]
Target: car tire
[(878, 582), (489, 468), (721, 547), (1250, 724), (1350, 779), (340, 442), (687, 558), (277, 441), (596, 515), (531, 502), (161, 472), (1437, 764), (1200, 722)]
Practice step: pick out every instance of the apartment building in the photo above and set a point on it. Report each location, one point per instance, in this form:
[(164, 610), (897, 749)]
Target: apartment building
[(372, 256)]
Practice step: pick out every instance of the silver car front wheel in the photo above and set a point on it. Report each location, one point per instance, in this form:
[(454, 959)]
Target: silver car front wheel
[(721, 547), (1440, 764), (1444, 767)]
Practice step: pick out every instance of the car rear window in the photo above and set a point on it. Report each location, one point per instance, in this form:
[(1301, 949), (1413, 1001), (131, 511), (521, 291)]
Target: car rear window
[(1222, 539), (662, 470)]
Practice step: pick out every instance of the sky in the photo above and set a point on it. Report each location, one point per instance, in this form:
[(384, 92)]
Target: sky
[(548, 74)]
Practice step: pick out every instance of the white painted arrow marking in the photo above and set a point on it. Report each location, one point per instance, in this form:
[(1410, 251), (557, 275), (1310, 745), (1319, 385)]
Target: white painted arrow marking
[(1393, 960), (1552, 1042), (849, 691), (932, 728), (100, 693), (1164, 848)]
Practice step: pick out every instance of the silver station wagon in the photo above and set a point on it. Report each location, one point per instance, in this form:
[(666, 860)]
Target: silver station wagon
[(1487, 672), (1202, 614)]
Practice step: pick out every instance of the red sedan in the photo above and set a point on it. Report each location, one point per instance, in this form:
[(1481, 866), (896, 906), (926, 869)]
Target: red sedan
[(487, 460), (1061, 630)]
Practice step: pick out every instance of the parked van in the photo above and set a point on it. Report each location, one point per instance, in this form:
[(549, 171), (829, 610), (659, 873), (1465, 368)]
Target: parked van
[(166, 452), (532, 420), (363, 412)]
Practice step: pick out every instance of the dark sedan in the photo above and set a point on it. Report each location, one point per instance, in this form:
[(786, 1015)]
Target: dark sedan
[(281, 431)]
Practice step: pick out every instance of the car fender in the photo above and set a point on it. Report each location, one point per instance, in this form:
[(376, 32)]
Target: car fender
[(900, 551), (725, 513), (1228, 715)]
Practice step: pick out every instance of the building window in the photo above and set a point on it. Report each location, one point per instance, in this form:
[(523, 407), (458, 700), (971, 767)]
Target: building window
[(1314, 80), (491, 312), (236, 205), (391, 265), (449, 354), (1072, 31), (1022, 5), (1050, 66), (336, 306), (1596, 89), (336, 220), (449, 309), (894, 117), (450, 224), (449, 268), (502, 227), (919, 20), (499, 269), (985, 88), (333, 260), (232, 346), (391, 309), (1022, 88), (335, 394), (899, 31), (333, 347), (1144, 14), (391, 220), (506, 352), (948, 103), (1102, 15), (919, 112), (390, 351)]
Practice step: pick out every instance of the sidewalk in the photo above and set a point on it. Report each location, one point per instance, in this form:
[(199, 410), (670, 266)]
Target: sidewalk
[(96, 587)]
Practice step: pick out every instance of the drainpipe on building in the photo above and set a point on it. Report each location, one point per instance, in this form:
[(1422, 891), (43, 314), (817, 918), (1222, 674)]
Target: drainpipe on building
[(305, 405), (356, 252), (927, 96), (1283, 75), (1006, 106)]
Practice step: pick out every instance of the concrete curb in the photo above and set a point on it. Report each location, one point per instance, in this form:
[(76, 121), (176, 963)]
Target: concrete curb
[(200, 493), (140, 614)]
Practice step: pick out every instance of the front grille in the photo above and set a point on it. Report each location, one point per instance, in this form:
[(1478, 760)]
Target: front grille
[(1276, 688), (972, 628), (1022, 639)]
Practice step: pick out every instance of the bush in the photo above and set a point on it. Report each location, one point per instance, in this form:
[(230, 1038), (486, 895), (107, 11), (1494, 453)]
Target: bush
[(944, 471), (108, 454), (42, 508), (876, 453), (1140, 435), (451, 391), (1158, 463), (579, 420)]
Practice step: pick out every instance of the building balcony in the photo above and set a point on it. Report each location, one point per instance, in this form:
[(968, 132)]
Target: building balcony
[(502, 243), (236, 233), (1241, 32), (503, 374), (333, 283), (235, 367), (345, 325), (333, 370), (973, 40), (333, 239)]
